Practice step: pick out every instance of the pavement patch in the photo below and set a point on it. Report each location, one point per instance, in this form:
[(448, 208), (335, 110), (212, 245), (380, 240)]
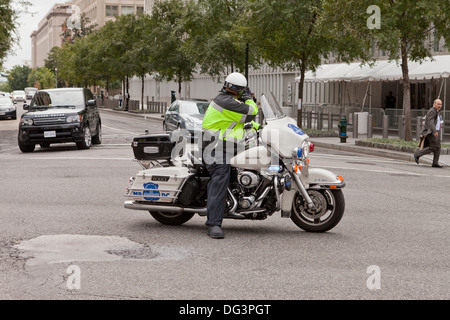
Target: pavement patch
[(48, 249)]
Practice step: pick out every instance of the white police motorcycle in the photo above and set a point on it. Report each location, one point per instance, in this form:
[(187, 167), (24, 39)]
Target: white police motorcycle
[(272, 174)]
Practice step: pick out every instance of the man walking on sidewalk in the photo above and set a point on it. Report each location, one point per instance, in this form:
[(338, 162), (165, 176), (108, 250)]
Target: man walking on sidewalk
[(429, 137)]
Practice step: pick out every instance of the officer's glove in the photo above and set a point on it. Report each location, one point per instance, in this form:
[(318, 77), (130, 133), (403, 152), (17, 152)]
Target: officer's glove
[(247, 95)]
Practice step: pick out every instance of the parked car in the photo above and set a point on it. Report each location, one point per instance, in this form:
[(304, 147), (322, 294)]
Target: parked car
[(58, 116), (185, 114), (30, 92), (5, 94), (18, 95), (7, 108)]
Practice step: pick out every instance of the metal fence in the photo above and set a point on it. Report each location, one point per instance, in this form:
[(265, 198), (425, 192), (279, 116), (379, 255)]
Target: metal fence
[(327, 117), (134, 105)]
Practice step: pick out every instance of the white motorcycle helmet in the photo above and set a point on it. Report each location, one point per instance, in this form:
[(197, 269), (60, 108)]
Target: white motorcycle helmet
[(236, 83)]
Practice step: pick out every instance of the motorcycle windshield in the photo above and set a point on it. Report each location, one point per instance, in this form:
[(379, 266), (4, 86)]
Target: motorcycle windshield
[(270, 107)]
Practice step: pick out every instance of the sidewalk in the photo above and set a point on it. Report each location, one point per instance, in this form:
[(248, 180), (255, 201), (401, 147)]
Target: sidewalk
[(349, 146)]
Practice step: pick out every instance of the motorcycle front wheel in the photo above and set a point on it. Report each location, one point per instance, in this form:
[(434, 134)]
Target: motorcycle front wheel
[(328, 211), (172, 218)]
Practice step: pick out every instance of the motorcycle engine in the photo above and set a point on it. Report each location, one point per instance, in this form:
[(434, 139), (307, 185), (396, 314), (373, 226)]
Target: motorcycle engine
[(248, 179)]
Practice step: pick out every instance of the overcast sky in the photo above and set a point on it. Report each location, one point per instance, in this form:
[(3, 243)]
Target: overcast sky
[(26, 25)]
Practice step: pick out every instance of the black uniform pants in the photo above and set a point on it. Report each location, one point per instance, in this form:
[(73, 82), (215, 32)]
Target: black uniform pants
[(217, 191)]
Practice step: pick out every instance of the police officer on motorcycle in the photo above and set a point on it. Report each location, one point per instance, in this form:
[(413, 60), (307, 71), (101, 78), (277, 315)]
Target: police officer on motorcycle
[(223, 131)]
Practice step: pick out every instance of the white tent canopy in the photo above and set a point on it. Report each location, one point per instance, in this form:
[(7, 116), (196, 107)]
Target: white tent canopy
[(438, 67)]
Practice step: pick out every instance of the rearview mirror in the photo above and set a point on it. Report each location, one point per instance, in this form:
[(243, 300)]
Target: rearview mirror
[(91, 103), (26, 107)]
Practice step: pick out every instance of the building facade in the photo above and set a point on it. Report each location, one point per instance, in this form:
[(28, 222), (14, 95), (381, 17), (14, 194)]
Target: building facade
[(51, 27), (100, 11), (48, 33)]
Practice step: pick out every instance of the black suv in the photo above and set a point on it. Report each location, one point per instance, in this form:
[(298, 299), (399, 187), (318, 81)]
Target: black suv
[(60, 115)]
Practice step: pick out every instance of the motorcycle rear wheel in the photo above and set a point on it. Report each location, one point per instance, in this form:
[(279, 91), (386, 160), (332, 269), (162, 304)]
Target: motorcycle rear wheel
[(172, 218), (330, 206)]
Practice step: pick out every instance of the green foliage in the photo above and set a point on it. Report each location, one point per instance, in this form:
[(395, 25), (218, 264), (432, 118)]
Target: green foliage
[(8, 25), (5, 87), (41, 78), (169, 59), (217, 41), (398, 142), (18, 77)]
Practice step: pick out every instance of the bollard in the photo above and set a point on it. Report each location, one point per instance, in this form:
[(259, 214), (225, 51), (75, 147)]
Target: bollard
[(385, 126), (319, 121), (343, 129), (401, 127), (369, 126), (418, 127), (355, 126), (309, 120)]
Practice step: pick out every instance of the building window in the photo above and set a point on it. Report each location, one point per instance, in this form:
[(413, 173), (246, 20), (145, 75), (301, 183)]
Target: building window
[(139, 10), (127, 10), (112, 11)]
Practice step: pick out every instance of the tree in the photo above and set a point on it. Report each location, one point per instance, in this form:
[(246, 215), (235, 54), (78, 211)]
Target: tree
[(169, 59), (78, 28), (18, 77), (54, 65), (289, 34), (41, 78), (215, 39), (8, 26), (404, 32), (136, 57)]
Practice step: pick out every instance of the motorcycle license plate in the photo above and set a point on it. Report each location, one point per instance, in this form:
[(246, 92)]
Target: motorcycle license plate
[(49, 134)]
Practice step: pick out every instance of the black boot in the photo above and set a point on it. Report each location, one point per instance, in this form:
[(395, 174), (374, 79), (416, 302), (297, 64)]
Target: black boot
[(215, 232)]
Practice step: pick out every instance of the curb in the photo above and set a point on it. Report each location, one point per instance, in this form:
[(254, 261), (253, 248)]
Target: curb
[(444, 151), (371, 151)]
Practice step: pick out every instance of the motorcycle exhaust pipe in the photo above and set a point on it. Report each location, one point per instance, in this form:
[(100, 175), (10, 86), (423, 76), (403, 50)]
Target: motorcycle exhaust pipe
[(160, 208)]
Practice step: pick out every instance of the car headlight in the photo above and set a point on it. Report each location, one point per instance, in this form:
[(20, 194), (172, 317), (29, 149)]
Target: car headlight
[(28, 122), (73, 118), (189, 123)]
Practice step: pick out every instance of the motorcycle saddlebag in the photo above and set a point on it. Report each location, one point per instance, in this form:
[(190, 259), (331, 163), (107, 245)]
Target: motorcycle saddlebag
[(153, 147)]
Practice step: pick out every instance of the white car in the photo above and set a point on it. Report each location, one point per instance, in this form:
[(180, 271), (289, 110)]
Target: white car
[(18, 95), (5, 94), (7, 108)]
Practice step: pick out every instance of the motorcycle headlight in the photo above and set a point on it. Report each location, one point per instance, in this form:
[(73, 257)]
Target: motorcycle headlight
[(73, 118), (303, 151), (305, 148), (297, 152)]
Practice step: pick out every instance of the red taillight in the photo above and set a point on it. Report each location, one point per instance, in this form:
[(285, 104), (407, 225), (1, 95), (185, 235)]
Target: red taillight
[(311, 147)]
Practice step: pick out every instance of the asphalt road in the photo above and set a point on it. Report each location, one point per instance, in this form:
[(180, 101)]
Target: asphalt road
[(64, 233)]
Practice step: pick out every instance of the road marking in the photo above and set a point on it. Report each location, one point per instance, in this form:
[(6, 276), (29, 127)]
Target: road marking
[(126, 132), (388, 172), (354, 158), (80, 158)]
